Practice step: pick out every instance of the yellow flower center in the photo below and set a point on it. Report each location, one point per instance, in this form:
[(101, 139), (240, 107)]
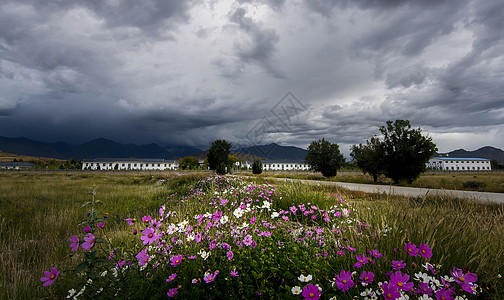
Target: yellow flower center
[(150, 235), (389, 295), (311, 295), (52, 276), (344, 281), (423, 251), (400, 284), (177, 261), (366, 278), (461, 278), (443, 298)]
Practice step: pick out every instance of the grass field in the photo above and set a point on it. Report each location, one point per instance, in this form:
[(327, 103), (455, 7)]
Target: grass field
[(40, 211)]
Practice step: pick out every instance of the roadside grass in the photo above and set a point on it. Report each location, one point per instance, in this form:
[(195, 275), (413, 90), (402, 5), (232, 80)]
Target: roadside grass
[(39, 212)]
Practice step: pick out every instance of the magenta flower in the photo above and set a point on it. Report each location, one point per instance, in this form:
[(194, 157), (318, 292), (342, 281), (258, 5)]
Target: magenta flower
[(172, 277), (311, 292), (465, 280), (390, 292), (130, 221), (89, 241), (86, 229), (425, 250), (49, 276), (209, 277), (366, 277), (411, 249), (401, 281), (230, 255), (101, 225), (74, 243), (344, 280), (248, 240), (361, 260), (444, 294), (176, 260), (146, 219), (374, 253), (172, 292), (143, 258), (149, 236), (424, 288), (234, 273), (398, 264)]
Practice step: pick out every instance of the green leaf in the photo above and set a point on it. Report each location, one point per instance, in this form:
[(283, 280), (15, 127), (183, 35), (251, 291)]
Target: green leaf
[(99, 240), (81, 267)]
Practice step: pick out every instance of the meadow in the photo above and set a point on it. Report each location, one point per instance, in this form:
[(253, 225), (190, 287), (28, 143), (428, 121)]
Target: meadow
[(191, 235)]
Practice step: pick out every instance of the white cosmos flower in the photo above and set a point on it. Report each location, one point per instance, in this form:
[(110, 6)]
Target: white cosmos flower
[(275, 215), (238, 213), (303, 278), (224, 219), (296, 290)]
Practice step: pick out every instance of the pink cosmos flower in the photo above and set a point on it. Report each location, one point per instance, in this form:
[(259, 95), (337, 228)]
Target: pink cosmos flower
[(86, 229), (465, 280), (344, 280), (89, 241), (74, 243), (49, 277), (411, 249), (424, 288), (234, 273), (149, 236), (390, 292), (401, 281), (425, 250), (374, 253), (398, 264), (311, 292), (146, 219), (172, 277), (130, 221), (101, 225), (230, 255), (143, 258), (366, 277), (361, 260), (444, 294), (172, 292), (248, 240), (176, 260), (209, 277)]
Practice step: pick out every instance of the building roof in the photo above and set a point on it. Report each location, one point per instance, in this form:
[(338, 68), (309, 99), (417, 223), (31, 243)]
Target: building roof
[(461, 158)]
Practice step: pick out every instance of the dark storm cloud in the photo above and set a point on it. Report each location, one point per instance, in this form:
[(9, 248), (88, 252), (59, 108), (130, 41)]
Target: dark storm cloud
[(192, 71)]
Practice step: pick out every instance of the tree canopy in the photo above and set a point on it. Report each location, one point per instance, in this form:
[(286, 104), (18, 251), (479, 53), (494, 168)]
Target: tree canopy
[(369, 157), (257, 167), (189, 163), (218, 155), (405, 151), (324, 157)]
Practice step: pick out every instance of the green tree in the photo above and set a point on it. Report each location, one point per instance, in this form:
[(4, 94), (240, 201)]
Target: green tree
[(232, 160), (218, 156), (324, 157), (257, 167), (406, 151), (189, 163), (369, 157)]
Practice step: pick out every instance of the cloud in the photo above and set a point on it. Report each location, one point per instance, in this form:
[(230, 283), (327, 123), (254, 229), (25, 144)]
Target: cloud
[(193, 71)]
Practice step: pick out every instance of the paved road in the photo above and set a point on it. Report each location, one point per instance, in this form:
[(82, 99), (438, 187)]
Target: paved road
[(407, 191)]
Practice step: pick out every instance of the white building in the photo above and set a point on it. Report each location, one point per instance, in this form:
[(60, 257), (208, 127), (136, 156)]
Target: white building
[(128, 164), (459, 164), (284, 165)]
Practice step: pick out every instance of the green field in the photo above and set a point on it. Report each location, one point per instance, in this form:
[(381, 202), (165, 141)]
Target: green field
[(40, 211)]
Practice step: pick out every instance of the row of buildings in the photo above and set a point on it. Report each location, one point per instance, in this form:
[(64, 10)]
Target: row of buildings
[(435, 163)]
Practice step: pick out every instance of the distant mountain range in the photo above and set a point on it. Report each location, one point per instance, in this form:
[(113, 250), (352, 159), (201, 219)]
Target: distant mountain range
[(103, 148), (487, 152), (98, 148)]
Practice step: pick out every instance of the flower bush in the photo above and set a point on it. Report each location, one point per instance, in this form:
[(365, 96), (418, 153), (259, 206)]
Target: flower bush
[(228, 238)]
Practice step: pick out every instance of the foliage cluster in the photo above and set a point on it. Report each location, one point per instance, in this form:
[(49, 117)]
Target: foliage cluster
[(401, 155), (325, 157)]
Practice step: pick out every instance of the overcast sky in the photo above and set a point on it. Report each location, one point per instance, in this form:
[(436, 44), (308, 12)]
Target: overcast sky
[(257, 71)]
